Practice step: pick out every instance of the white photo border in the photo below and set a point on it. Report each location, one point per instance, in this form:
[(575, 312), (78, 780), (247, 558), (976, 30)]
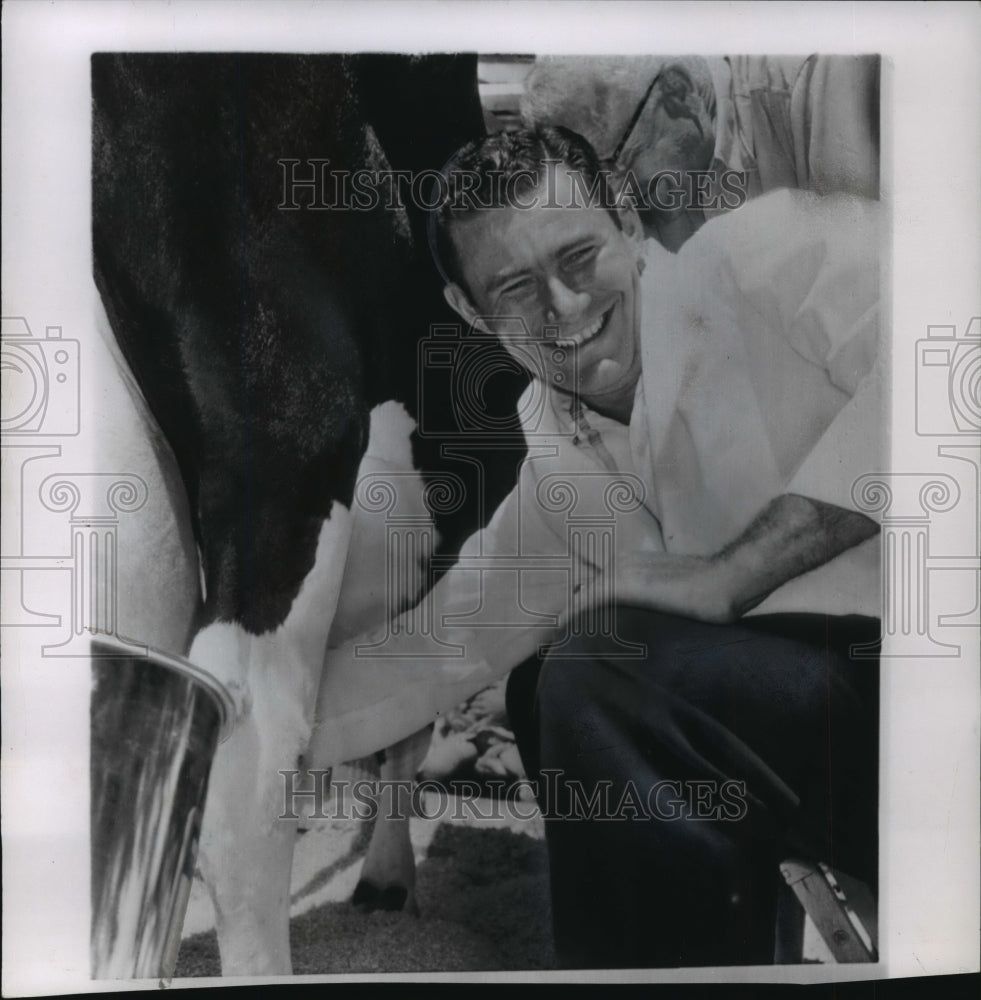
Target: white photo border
[(931, 106)]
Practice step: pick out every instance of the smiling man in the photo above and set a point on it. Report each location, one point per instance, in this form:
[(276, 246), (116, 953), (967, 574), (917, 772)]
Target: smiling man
[(701, 717), (571, 275)]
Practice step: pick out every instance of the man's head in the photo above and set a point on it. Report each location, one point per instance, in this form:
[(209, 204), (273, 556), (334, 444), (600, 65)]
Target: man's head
[(527, 231)]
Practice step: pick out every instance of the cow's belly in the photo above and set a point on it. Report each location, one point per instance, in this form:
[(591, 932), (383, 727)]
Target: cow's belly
[(373, 580), (159, 575)]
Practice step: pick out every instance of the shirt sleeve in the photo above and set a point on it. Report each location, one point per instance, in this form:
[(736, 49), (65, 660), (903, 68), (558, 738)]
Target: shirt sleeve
[(818, 284), (850, 448), (383, 686)]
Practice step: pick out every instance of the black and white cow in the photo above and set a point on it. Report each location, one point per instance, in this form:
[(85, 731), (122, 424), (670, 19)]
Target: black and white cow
[(262, 339)]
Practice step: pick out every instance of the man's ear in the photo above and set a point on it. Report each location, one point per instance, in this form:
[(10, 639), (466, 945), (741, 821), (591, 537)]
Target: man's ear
[(633, 229), (630, 223), (458, 301)]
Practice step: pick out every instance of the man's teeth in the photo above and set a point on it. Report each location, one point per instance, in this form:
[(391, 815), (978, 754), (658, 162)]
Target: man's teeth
[(587, 333)]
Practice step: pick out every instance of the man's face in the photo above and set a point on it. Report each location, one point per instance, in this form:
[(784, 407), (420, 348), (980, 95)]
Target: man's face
[(571, 275)]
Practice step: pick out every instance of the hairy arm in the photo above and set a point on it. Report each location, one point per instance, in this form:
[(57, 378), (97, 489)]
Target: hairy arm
[(792, 535)]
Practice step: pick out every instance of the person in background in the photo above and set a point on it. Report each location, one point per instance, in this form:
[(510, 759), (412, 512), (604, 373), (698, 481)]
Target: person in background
[(804, 122)]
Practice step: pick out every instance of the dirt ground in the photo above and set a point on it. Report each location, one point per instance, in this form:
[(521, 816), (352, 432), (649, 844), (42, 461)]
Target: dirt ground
[(482, 890)]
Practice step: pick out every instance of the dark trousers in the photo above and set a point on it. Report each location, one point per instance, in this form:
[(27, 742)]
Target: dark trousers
[(672, 786)]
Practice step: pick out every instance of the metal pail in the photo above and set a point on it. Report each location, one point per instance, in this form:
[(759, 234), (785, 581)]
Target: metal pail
[(156, 720)]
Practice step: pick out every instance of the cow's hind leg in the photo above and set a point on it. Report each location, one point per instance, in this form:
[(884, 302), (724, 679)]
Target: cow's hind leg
[(388, 878), (246, 844)]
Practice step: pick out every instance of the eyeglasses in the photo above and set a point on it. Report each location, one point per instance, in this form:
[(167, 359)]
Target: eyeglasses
[(614, 158), (673, 105)]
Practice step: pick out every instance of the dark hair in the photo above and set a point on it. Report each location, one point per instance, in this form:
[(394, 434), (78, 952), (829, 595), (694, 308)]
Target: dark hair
[(513, 161)]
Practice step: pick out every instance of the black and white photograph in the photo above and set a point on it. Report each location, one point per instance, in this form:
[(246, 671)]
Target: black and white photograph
[(492, 495)]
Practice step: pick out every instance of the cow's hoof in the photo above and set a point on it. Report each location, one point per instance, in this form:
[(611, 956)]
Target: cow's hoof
[(368, 896)]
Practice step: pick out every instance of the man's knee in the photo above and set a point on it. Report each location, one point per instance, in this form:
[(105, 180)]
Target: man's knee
[(635, 640), (591, 685), (622, 633), (567, 681)]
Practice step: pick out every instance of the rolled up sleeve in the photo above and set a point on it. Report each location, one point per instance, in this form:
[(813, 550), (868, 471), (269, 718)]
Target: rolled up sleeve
[(815, 280), (850, 448)]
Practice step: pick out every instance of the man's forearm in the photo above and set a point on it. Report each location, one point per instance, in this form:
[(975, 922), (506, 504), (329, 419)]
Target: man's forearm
[(792, 535)]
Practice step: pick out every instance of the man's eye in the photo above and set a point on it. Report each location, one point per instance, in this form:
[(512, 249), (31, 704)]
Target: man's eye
[(580, 257), (518, 289)]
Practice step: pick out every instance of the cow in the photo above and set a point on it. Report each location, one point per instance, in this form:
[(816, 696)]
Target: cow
[(268, 339)]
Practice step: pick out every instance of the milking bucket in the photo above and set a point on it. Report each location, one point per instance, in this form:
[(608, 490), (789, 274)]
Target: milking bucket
[(156, 721)]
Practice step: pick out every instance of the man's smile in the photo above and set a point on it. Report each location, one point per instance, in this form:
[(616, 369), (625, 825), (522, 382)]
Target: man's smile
[(586, 335)]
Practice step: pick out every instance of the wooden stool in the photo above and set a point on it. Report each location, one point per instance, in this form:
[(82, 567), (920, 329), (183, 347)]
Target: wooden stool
[(841, 908)]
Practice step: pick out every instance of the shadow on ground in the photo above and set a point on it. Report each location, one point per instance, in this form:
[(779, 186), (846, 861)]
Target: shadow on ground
[(483, 895)]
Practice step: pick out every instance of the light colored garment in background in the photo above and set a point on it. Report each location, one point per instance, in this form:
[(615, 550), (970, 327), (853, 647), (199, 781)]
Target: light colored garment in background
[(800, 122)]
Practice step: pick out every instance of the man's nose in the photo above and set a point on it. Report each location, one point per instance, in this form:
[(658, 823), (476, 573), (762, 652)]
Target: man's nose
[(563, 301)]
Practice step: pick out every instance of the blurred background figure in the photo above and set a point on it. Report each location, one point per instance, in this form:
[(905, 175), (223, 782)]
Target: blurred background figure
[(809, 122)]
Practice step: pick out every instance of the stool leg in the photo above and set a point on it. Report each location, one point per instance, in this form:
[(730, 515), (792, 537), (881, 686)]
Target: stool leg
[(789, 945), (843, 931)]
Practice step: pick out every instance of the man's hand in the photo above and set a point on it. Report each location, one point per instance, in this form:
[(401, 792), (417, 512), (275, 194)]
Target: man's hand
[(791, 536), (690, 586)]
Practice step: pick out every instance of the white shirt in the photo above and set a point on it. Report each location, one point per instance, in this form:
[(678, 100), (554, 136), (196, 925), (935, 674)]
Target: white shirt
[(759, 345), (761, 377)]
